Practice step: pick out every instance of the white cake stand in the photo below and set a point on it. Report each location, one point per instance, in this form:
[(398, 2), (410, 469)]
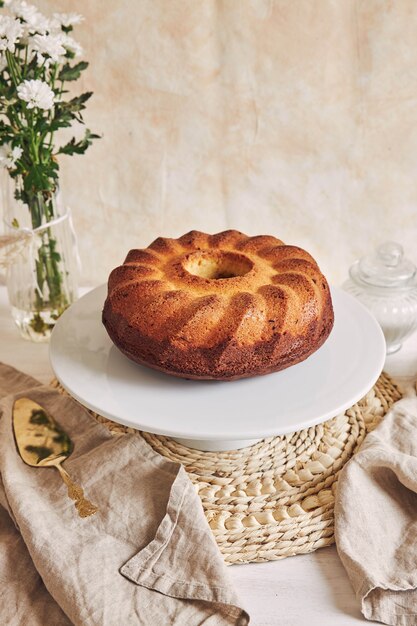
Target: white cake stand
[(212, 415)]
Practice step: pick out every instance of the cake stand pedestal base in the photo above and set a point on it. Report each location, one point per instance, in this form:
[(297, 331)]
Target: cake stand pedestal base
[(208, 445)]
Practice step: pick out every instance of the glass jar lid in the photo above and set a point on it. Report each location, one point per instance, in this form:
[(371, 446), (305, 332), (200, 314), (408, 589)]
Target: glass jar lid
[(386, 267)]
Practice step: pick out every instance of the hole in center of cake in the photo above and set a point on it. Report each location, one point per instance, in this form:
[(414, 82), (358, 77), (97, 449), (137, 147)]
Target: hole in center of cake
[(217, 265)]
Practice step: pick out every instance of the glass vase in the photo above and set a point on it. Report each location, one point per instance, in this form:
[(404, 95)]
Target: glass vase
[(42, 269)]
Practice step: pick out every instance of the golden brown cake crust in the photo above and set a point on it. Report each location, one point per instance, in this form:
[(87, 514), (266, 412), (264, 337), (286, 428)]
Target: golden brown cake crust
[(222, 306)]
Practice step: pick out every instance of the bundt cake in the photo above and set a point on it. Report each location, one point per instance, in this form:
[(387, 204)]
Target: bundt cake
[(222, 306)]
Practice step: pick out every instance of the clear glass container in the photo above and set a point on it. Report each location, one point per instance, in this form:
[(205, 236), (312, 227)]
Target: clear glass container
[(386, 283), (41, 270)]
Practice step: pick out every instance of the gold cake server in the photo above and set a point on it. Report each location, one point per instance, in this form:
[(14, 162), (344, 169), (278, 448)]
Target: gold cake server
[(41, 442)]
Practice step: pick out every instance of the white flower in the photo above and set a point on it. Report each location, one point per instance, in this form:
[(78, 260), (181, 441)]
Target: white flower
[(3, 62), (23, 10), (68, 19), (37, 94), (70, 44), (38, 23), (9, 155), (10, 31), (47, 48), (33, 20)]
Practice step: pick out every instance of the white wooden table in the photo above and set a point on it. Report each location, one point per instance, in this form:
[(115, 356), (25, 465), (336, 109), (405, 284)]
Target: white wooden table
[(305, 590)]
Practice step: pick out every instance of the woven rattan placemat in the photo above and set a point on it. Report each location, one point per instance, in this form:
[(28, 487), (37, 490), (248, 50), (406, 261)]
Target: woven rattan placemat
[(275, 498)]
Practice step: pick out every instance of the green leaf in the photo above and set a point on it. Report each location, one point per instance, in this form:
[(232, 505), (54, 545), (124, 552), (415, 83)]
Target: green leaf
[(66, 112), (72, 147), (72, 73), (78, 103), (40, 177), (78, 147), (61, 119)]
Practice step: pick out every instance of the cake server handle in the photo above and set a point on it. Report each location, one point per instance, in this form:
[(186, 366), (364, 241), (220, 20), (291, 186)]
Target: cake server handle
[(76, 493)]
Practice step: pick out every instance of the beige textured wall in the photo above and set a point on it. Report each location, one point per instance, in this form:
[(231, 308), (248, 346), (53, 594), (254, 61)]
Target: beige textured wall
[(296, 118)]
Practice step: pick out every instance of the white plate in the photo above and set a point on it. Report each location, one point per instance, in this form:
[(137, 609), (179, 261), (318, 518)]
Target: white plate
[(341, 372)]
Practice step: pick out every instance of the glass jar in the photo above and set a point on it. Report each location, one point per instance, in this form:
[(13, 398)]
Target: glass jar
[(386, 283), (41, 269)]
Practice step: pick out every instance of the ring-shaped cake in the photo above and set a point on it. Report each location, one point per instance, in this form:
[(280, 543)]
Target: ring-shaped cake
[(222, 306)]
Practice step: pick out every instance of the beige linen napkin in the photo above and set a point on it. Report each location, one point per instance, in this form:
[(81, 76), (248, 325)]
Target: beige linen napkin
[(147, 557), (376, 518)]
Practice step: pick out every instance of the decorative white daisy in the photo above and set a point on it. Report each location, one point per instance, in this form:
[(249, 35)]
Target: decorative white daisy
[(37, 94), (22, 9), (47, 48), (68, 19), (11, 30), (9, 155), (32, 20), (37, 23), (70, 44)]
